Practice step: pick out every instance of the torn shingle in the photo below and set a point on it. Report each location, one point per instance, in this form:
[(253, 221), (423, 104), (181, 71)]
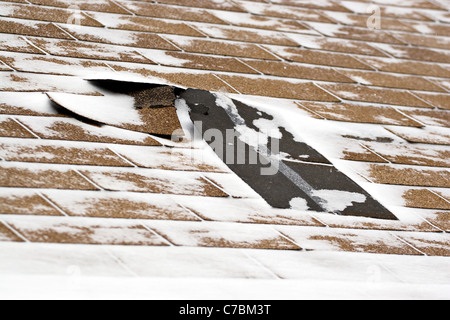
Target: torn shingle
[(159, 97), (316, 186), (135, 107)]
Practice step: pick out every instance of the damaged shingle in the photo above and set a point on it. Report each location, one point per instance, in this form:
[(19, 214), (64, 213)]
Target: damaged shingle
[(138, 107), (317, 186)]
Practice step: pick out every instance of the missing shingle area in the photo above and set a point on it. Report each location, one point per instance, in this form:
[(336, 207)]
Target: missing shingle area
[(303, 178), (296, 176)]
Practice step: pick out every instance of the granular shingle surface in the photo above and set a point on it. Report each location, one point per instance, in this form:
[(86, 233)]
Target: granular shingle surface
[(99, 170)]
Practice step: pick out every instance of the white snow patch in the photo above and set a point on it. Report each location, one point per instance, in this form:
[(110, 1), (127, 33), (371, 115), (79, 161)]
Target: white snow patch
[(28, 82), (357, 7), (396, 51), (299, 204), (311, 42), (336, 200), (181, 40), (112, 109), (268, 128), (119, 37), (162, 57), (423, 28), (342, 17), (251, 136), (326, 28), (30, 101)]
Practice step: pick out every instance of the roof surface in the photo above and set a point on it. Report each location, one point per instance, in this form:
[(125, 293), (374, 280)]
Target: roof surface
[(91, 188)]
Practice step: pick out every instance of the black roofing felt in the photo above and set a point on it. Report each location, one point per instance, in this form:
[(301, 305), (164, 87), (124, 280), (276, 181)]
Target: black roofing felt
[(292, 179)]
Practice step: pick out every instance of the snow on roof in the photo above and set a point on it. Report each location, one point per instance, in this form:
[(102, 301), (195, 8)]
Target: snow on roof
[(90, 180)]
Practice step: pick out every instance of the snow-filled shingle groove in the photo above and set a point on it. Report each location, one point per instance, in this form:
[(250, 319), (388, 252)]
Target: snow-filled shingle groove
[(106, 190), (52, 204)]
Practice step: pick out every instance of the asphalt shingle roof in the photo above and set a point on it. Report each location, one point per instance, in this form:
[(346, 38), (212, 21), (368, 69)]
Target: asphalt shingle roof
[(76, 173)]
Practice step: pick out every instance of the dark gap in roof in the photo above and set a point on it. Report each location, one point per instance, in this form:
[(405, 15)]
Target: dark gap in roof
[(146, 95), (318, 184), (66, 112), (378, 139), (124, 87)]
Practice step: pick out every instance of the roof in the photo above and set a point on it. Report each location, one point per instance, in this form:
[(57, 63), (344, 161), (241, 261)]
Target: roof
[(93, 187)]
